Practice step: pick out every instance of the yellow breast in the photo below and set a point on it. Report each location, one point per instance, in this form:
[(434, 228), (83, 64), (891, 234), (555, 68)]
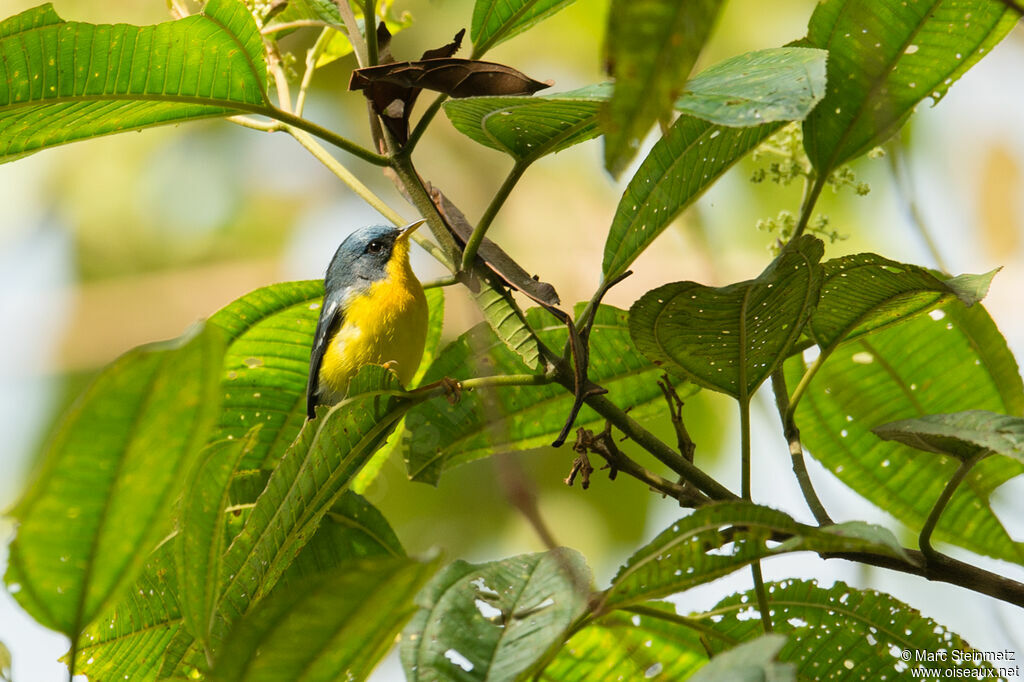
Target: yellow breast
[(386, 324)]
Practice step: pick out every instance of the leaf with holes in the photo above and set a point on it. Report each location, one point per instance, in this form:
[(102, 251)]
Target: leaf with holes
[(753, 660), (842, 633), (777, 84), (441, 435), (332, 627), (494, 621), (885, 56), (111, 473), (495, 21), (651, 47), (311, 477), (527, 128), (962, 434), (732, 338), (865, 292), (892, 375), (624, 646), (678, 169), (62, 81), (720, 538), (129, 640)]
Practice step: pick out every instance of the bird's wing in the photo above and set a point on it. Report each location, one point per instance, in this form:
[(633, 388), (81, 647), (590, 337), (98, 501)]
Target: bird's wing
[(331, 319)]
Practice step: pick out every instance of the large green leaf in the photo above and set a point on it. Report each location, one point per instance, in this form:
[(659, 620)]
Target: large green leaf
[(732, 338), (843, 633), (334, 627), (505, 418), (753, 660), (129, 640), (202, 526), (62, 81), (112, 470), (680, 167), (950, 360), (885, 56), (777, 84), (623, 646), (721, 538), (310, 478), (962, 434), (865, 292), (651, 47), (495, 21), (498, 618), (527, 128)]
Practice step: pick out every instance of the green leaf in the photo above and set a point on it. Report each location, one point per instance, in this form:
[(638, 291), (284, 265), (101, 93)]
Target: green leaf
[(651, 48), (202, 526), (962, 434), (435, 321), (730, 339), (623, 646), (777, 84), (720, 538), (885, 56), (950, 360), (63, 81), (507, 320), (130, 639), (505, 418), (267, 364), (335, 627), (842, 632), (310, 478), (112, 470), (495, 21), (753, 660), (680, 167), (499, 617), (865, 292), (352, 529), (527, 128)]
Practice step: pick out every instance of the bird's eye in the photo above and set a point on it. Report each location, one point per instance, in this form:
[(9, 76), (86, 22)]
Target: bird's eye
[(375, 246)]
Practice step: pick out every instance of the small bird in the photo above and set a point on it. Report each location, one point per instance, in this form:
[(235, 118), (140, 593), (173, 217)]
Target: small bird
[(373, 312)]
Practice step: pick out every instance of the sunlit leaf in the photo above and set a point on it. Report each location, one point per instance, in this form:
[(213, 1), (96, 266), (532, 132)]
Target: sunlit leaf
[(732, 338), (962, 434), (200, 541), (651, 47), (624, 646), (495, 21), (336, 626), (113, 468), (680, 167), (885, 56), (63, 81), (442, 435), (843, 633), (130, 639), (721, 538), (311, 477), (493, 621), (753, 660), (527, 128), (507, 321), (951, 360), (866, 292), (777, 84)]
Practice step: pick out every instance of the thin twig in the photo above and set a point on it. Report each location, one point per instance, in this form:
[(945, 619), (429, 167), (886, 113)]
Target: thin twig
[(370, 26), (284, 96), (423, 124), (812, 190), (762, 596), (352, 29), (473, 243), (925, 539), (312, 56), (300, 23), (796, 450)]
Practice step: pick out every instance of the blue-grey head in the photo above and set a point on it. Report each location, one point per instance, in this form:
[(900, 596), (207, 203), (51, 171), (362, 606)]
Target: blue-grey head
[(364, 255)]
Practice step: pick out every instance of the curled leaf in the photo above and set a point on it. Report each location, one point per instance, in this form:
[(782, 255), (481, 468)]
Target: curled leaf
[(452, 76)]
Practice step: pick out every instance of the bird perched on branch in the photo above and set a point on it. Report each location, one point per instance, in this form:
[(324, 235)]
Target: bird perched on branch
[(373, 312)]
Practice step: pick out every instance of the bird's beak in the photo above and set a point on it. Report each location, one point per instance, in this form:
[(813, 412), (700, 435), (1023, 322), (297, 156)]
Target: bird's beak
[(409, 229)]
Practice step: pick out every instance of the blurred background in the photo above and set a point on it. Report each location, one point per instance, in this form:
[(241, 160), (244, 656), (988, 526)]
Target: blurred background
[(115, 242)]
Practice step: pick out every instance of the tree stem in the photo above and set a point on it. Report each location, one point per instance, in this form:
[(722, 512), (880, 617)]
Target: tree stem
[(940, 504), (812, 190), (473, 243)]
